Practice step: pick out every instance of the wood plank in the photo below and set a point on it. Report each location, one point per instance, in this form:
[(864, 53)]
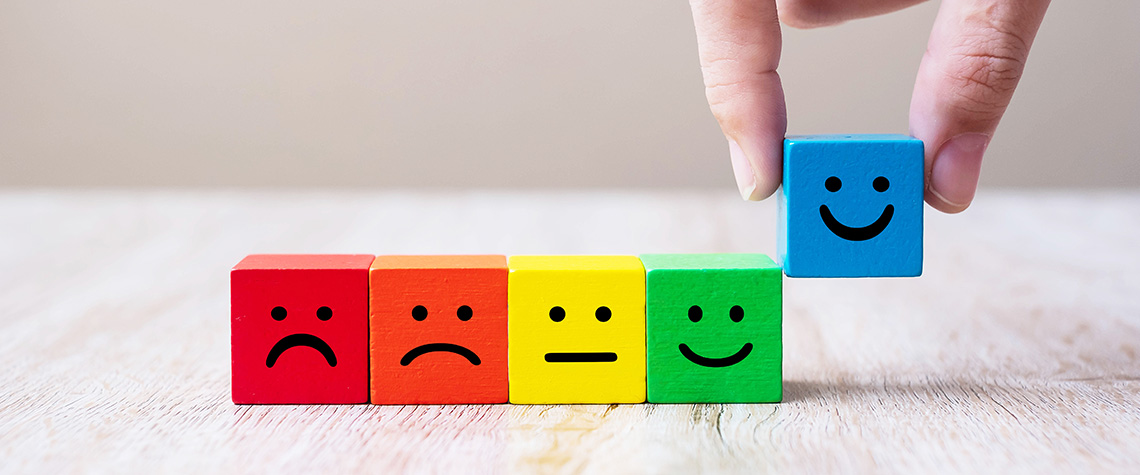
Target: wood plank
[(1017, 349)]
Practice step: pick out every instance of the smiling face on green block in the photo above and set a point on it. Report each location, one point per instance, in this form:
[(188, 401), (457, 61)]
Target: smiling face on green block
[(713, 328)]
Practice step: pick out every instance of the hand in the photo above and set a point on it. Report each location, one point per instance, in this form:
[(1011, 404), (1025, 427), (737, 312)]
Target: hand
[(974, 59)]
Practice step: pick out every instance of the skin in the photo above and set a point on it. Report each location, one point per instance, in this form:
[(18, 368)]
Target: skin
[(973, 61)]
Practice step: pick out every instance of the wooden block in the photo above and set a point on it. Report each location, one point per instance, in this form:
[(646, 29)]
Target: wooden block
[(299, 329), (851, 206), (576, 329), (713, 326), (438, 329)]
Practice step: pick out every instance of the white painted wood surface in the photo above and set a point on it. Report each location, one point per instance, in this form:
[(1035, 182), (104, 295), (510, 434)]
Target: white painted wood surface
[(1017, 351)]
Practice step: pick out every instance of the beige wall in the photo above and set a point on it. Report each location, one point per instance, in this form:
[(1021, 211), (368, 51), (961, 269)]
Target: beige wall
[(486, 93)]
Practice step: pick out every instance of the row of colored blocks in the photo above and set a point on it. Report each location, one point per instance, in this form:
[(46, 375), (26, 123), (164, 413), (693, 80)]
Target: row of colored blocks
[(346, 329)]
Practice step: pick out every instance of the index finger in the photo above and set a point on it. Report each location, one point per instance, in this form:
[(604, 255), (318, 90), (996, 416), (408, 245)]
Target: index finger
[(739, 45)]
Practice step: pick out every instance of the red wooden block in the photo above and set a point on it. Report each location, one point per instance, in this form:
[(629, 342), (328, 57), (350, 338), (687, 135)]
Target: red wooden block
[(299, 329), (438, 329)]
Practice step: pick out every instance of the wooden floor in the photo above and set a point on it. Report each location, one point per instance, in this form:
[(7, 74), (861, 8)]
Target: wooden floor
[(1018, 350)]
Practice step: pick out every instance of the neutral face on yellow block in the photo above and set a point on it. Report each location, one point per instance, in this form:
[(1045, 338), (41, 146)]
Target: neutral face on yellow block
[(576, 329)]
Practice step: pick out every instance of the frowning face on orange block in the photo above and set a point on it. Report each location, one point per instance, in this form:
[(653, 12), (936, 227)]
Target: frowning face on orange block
[(438, 329)]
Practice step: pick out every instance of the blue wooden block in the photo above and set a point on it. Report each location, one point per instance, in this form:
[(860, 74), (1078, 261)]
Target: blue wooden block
[(851, 206)]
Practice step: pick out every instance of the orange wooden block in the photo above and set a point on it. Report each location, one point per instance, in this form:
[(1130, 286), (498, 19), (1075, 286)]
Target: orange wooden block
[(438, 329)]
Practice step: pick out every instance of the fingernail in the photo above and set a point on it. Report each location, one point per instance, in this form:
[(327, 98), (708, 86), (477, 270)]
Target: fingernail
[(742, 169), (954, 173)]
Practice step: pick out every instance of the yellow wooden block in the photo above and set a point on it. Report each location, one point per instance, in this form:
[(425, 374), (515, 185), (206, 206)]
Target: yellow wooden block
[(576, 329)]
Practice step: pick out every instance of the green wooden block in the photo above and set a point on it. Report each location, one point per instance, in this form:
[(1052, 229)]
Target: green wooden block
[(713, 328)]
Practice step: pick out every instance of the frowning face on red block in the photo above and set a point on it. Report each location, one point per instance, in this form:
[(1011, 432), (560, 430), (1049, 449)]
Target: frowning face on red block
[(299, 329)]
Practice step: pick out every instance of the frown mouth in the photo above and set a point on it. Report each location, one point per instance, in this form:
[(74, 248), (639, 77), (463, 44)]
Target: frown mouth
[(445, 347), (856, 234), (300, 339)]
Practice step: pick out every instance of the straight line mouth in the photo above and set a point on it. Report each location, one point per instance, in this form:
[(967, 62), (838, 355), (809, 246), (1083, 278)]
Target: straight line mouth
[(597, 357)]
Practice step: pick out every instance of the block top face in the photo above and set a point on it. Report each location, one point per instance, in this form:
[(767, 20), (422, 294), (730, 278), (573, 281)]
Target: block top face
[(707, 261), (581, 263), (304, 261), (854, 138), (441, 262)]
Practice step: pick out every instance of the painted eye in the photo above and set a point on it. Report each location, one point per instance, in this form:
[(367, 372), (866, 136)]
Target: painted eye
[(464, 313), (695, 313), (736, 313), (419, 313), (833, 184), (603, 314), (881, 184), (278, 313), (324, 313), (557, 314)]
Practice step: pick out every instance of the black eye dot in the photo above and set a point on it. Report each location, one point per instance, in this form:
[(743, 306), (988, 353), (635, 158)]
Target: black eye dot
[(557, 314), (324, 313), (419, 313), (603, 314), (464, 313), (278, 313), (695, 313), (881, 184), (736, 313), (832, 184)]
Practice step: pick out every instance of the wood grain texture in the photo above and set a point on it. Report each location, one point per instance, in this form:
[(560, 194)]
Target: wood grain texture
[(1017, 351)]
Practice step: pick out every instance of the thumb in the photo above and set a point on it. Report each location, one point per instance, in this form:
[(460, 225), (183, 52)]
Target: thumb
[(973, 62)]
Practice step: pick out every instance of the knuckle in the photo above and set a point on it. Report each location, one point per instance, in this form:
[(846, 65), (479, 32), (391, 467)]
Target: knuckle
[(803, 14), (987, 63), (729, 86), (984, 81), (724, 99)]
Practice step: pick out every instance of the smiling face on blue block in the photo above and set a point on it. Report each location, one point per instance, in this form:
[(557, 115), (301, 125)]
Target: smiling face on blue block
[(851, 206)]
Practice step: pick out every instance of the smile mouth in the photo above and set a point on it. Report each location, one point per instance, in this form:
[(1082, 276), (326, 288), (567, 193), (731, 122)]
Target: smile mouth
[(856, 234), (435, 347), (715, 362), (584, 357), (300, 339)]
